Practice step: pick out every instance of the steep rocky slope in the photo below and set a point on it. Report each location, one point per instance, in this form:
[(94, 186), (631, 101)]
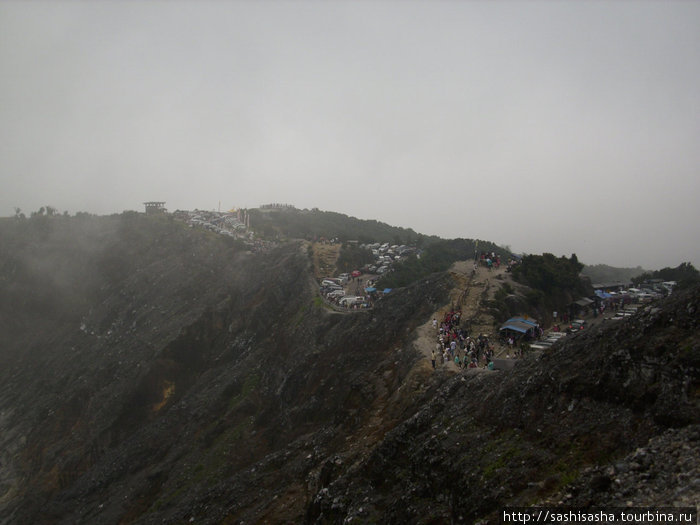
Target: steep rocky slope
[(157, 374), (176, 376)]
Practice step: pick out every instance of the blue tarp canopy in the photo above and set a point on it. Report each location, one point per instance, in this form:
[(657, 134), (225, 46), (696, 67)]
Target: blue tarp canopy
[(517, 326), (370, 289), (602, 294), (387, 290), (531, 322)]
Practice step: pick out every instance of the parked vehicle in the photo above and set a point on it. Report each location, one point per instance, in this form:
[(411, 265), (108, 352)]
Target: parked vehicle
[(669, 285), (576, 325), (351, 300), (556, 335), (551, 340)]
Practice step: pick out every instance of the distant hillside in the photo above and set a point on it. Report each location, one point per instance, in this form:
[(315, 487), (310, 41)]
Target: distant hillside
[(290, 223), (436, 255), (602, 273)]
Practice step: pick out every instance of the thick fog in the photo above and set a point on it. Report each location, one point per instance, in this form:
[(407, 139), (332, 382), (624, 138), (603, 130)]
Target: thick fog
[(567, 127)]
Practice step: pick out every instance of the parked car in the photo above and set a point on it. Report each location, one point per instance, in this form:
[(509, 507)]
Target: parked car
[(576, 325), (350, 300), (556, 335)]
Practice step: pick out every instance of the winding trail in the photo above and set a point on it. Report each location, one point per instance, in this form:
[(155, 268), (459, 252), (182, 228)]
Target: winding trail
[(470, 292)]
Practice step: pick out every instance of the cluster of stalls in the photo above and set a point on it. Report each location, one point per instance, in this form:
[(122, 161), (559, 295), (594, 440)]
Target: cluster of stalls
[(373, 291)]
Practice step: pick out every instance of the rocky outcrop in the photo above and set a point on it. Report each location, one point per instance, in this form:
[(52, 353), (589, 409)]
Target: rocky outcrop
[(664, 472)]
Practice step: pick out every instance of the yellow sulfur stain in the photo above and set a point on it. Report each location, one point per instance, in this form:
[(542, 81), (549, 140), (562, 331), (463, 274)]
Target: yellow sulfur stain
[(168, 390)]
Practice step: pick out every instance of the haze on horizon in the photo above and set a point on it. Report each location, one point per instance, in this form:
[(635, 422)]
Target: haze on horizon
[(562, 127)]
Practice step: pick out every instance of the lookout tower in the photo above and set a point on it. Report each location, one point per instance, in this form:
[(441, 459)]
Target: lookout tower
[(154, 207)]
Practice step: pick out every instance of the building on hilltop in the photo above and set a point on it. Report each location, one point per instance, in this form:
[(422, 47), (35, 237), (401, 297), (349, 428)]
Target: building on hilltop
[(155, 207)]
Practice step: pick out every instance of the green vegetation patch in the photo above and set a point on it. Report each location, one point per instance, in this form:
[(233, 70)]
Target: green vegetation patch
[(436, 257), (685, 274), (546, 273)]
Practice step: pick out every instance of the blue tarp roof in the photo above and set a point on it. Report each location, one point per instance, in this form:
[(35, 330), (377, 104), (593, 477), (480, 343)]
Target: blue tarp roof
[(602, 294), (517, 326), (387, 290), (370, 289), (531, 322)]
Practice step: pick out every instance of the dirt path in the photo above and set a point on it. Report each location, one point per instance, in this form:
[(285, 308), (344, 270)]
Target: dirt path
[(472, 289), (469, 293), (324, 259)]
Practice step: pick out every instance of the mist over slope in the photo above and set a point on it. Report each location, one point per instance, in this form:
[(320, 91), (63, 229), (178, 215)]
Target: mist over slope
[(168, 361), (156, 373)]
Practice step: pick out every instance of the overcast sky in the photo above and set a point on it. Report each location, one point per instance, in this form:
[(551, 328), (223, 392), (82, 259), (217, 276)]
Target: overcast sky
[(565, 127)]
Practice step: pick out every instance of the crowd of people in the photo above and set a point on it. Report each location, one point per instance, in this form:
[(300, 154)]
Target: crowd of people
[(490, 260), (454, 344)]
